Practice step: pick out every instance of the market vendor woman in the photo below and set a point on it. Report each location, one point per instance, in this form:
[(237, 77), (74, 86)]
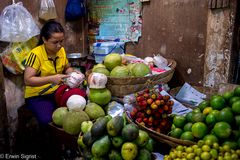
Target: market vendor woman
[(46, 68)]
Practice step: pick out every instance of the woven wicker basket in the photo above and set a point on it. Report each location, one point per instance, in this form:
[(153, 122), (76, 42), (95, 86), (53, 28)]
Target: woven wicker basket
[(123, 86), (173, 142)]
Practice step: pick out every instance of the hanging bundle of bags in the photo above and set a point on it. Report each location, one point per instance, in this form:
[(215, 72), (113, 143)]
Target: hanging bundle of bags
[(75, 9)]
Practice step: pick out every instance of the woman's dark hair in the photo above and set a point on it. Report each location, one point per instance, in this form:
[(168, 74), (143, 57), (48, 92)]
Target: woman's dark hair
[(48, 29)]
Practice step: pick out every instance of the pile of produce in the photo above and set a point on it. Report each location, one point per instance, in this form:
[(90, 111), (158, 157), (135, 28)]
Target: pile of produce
[(116, 65), (114, 139), (152, 110), (218, 118), (204, 150)]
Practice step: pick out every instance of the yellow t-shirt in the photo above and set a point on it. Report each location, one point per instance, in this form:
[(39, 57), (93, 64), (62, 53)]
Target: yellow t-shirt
[(44, 66)]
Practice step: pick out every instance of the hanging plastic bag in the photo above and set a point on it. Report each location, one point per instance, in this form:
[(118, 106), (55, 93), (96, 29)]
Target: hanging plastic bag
[(14, 56), (17, 24), (47, 10), (75, 9)]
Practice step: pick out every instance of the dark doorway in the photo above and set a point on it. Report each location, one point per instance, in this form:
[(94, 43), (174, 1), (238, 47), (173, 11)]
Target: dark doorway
[(235, 61)]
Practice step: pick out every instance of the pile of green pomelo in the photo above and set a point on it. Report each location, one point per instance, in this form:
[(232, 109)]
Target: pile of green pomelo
[(114, 66), (215, 121)]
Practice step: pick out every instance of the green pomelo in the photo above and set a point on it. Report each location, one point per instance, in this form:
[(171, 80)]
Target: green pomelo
[(140, 70), (94, 111), (100, 96), (112, 60), (120, 71), (102, 70), (99, 65), (130, 67), (73, 120), (58, 115)]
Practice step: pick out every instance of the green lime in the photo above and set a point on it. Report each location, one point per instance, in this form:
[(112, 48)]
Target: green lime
[(198, 117), (199, 130), (187, 127), (189, 116), (205, 156), (225, 115), (236, 91), (233, 99), (203, 104), (222, 129), (211, 137), (236, 107), (176, 132), (214, 153), (227, 95), (187, 136), (217, 102), (211, 119), (179, 121)]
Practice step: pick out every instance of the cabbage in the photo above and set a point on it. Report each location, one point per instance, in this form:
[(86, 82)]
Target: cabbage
[(140, 70), (120, 71), (112, 60)]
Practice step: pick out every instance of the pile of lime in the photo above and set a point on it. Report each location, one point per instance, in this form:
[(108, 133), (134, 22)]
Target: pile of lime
[(203, 150)]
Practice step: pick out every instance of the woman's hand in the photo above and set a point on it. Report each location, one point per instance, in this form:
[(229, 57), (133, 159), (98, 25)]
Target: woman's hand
[(59, 78)]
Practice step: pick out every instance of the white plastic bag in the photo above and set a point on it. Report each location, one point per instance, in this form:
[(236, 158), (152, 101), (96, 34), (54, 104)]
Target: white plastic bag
[(47, 10), (160, 61), (17, 24)]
